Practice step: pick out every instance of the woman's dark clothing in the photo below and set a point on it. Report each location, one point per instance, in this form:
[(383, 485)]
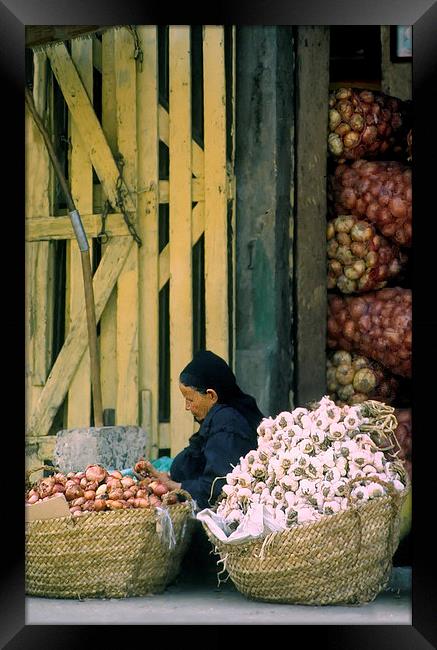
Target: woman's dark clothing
[(224, 436), (208, 370)]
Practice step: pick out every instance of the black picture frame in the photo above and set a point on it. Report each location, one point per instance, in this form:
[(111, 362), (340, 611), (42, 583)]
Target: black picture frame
[(14, 15), (401, 38)]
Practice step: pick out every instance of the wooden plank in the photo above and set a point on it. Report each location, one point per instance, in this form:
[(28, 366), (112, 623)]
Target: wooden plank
[(197, 190), (232, 195), (196, 151), (45, 446), (127, 407), (310, 248), (164, 436), (148, 221), (75, 343), (216, 204), (39, 256), (83, 114), (198, 226), (146, 422), (49, 228), (43, 34), (108, 338), (97, 53), (78, 412), (181, 309)]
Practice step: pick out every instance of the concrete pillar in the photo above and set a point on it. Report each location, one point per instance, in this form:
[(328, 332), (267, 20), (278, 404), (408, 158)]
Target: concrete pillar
[(264, 174)]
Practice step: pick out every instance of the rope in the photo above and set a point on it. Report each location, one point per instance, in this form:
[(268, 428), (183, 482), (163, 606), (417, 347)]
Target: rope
[(212, 488), (267, 543)]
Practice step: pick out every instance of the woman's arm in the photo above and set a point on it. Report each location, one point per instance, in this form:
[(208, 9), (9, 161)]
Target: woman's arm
[(222, 451)]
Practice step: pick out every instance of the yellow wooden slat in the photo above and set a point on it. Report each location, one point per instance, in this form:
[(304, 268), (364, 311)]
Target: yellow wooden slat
[(127, 410), (38, 256), (75, 342), (197, 190), (216, 244), (108, 338), (198, 226), (45, 447), (148, 221), (97, 53), (81, 180), (232, 197), (196, 151), (48, 228), (181, 311), (83, 114)]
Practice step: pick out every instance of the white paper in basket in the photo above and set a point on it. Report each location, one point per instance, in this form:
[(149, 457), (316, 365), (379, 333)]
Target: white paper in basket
[(255, 523)]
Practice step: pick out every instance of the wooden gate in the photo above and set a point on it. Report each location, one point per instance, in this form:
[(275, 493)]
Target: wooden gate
[(142, 163)]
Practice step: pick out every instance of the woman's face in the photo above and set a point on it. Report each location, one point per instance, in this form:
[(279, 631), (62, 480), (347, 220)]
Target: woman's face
[(198, 403)]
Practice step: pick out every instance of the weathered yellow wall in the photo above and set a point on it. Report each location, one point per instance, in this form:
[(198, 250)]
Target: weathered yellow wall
[(129, 277)]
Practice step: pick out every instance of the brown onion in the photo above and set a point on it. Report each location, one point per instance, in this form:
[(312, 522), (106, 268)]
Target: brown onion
[(115, 494), (96, 473), (99, 505)]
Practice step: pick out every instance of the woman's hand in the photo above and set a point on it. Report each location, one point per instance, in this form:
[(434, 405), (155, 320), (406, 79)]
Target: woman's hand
[(171, 485), (162, 477)]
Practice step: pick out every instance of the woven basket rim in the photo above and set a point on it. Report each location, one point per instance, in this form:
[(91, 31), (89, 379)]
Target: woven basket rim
[(149, 512), (306, 525)]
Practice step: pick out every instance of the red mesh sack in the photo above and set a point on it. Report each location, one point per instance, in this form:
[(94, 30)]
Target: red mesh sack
[(376, 324), (379, 192), (366, 124)]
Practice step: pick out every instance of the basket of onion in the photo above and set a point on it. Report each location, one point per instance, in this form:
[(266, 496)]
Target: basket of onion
[(125, 536), (312, 516)]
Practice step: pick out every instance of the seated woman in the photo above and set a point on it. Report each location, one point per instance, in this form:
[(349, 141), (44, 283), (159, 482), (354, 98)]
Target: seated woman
[(228, 421)]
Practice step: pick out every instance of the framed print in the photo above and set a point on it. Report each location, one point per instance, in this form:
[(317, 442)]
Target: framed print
[(16, 629), (401, 43)]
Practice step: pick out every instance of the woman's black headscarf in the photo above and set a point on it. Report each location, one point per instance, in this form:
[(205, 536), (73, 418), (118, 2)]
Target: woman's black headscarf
[(207, 370)]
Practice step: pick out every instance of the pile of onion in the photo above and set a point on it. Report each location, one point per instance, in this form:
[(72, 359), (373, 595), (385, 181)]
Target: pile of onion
[(360, 259), (364, 124), (376, 324), (378, 191), (353, 379), (97, 489)]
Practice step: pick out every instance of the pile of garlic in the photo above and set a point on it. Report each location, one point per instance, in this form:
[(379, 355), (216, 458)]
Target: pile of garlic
[(303, 464)]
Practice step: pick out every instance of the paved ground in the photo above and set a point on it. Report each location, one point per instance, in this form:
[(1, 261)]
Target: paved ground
[(199, 602)]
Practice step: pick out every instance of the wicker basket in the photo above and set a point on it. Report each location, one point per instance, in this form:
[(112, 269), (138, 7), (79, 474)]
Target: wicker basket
[(342, 558), (111, 554)]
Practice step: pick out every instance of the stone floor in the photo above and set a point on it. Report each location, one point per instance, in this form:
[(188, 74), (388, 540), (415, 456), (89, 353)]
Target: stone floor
[(200, 602)]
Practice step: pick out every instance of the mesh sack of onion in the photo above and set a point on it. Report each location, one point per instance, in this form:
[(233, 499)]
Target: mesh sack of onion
[(354, 378), (360, 259), (365, 124), (329, 500), (377, 325), (378, 191), (125, 537)]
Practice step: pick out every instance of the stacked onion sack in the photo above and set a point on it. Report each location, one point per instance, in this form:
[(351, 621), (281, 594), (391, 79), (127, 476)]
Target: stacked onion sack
[(97, 489), (365, 124), (311, 470), (353, 379), (360, 259), (379, 192), (376, 324)]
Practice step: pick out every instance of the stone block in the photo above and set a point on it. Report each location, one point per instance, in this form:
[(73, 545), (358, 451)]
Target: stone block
[(115, 447)]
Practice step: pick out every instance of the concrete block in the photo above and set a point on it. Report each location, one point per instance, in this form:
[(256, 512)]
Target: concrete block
[(116, 447)]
